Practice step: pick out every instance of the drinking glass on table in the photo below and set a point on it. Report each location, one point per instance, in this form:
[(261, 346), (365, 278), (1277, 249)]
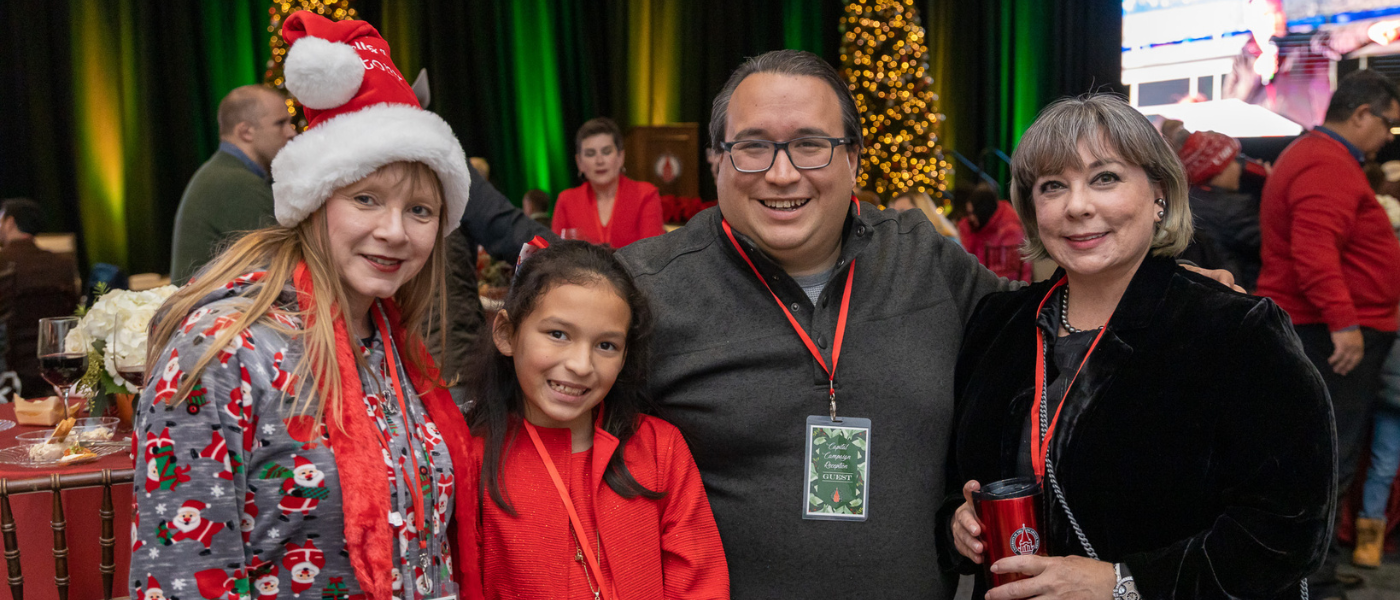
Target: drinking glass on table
[(61, 368), (131, 366), (132, 369)]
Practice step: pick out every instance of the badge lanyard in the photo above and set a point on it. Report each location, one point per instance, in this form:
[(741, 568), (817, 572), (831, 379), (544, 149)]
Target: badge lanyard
[(1040, 447), (603, 587), (416, 490), (811, 347)]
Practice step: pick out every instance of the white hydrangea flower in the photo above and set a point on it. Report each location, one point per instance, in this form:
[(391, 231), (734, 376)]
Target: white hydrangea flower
[(120, 319)]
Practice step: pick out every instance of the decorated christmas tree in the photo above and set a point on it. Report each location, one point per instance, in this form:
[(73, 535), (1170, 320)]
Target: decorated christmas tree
[(884, 58), (335, 10)]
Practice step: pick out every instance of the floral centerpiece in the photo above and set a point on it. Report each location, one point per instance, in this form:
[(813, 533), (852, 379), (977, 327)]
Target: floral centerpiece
[(113, 333), (681, 209)]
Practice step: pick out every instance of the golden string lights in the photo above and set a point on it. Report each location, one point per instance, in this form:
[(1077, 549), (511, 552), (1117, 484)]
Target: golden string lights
[(335, 10), (884, 59)]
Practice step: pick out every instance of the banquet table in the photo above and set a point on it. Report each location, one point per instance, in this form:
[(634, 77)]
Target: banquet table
[(57, 540)]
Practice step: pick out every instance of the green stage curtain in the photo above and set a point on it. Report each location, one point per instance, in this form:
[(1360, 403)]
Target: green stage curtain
[(997, 64), (110, 104), (517, 78), (120, 97)]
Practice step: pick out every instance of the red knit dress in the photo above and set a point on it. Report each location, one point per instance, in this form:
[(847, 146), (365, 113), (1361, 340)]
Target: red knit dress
[(650, 549)]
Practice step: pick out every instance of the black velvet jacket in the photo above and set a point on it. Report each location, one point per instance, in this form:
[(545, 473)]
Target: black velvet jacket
[(1197, 445)]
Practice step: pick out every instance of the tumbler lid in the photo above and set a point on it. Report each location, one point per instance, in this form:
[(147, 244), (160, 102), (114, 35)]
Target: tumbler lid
[(1007, 489)]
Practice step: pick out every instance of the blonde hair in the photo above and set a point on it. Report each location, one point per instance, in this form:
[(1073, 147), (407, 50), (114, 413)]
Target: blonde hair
[(278, 251), (921, 201), (1111, 128)]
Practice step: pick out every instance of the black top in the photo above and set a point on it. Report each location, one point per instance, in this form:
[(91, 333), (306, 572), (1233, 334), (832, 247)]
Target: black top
[(1196, 446), (494, 223), (1066, 353)]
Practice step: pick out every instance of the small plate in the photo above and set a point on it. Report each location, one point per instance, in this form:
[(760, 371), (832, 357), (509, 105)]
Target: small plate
[(19, 456)]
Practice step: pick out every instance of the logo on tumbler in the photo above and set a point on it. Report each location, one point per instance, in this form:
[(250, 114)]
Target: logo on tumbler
[(1025, 541)]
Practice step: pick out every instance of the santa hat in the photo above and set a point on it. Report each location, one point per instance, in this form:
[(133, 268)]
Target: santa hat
[(298, 462), (194, 505), (152, 584), (1205, 154), (361, 115)]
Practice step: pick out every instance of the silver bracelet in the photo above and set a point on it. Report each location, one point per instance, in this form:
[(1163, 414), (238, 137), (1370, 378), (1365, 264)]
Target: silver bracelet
[(1125, 588)]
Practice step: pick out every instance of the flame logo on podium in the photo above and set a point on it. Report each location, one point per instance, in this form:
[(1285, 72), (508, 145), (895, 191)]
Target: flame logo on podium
[(1025, 541), (667, 167)]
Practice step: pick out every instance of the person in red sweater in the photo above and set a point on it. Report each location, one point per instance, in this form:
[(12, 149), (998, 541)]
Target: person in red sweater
[(1331, 260), (608, 208), (992, 232), (578, 494)]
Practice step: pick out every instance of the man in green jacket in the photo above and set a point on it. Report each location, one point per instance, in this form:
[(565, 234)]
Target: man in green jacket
[(232, 191)]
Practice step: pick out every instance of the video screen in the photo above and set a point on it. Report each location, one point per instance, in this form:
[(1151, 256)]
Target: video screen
[(1250, 68)]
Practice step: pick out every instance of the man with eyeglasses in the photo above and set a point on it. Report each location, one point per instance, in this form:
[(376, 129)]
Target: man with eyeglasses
[(747, 296), (1331, 260)]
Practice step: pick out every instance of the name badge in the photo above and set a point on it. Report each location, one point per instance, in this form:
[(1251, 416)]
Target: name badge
[(837, 482)]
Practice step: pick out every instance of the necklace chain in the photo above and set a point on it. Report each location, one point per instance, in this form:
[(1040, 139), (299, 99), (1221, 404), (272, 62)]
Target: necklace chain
[(578, 556), (1064, 314)]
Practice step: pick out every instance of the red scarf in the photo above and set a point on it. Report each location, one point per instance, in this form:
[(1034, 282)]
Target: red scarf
[(368, 536)]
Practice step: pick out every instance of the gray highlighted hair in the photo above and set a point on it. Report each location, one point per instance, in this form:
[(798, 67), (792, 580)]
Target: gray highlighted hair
[(1110, 128)]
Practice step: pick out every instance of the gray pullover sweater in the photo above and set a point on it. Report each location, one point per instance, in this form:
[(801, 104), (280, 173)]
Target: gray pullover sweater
[(732, 374)]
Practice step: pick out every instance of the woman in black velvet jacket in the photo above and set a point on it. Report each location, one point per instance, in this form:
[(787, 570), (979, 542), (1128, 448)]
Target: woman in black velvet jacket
[(1195, 449)]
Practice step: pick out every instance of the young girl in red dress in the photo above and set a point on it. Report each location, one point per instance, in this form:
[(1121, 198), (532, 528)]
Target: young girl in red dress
[(580, 495)]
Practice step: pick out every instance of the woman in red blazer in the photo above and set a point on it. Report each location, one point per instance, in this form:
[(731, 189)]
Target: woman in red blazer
[(608, 208)]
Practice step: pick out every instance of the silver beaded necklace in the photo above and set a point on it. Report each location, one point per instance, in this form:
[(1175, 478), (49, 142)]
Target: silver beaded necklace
[(1064, 314)]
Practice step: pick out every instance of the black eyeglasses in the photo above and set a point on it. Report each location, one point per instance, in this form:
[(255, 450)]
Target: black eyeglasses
[(1389, 123), (757, 156)]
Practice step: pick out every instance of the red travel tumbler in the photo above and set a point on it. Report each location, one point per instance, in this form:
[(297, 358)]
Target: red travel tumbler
[(1010, 513)]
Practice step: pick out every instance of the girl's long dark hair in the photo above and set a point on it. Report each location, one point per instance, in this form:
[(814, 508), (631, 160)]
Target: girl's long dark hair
[(499, 403)]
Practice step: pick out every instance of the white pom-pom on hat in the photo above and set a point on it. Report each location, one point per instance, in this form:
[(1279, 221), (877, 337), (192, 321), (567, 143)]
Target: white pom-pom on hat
[(323, 74), (359, 119)]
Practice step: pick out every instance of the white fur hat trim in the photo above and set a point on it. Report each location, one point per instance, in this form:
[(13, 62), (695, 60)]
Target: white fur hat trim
[(323, 74), (346, 148)]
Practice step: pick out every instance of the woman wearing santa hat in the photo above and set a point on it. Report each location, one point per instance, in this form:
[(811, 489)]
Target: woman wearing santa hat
[(305, 344)]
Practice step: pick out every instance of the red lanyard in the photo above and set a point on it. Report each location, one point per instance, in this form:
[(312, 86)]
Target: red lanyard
[(811, 347), (603, 587), (416, 490), (1040, 447)]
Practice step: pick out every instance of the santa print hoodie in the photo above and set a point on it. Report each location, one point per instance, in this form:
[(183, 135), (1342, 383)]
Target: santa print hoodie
[(1329, 254), (233, 494)]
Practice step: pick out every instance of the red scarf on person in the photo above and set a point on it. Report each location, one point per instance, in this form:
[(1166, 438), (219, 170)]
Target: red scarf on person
[(368, 536)]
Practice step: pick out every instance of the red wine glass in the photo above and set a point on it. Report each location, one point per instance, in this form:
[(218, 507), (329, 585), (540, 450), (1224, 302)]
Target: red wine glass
[(61, 368), (131, 366)]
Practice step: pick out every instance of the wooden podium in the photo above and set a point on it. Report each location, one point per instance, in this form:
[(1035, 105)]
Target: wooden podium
[(666, 156)]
